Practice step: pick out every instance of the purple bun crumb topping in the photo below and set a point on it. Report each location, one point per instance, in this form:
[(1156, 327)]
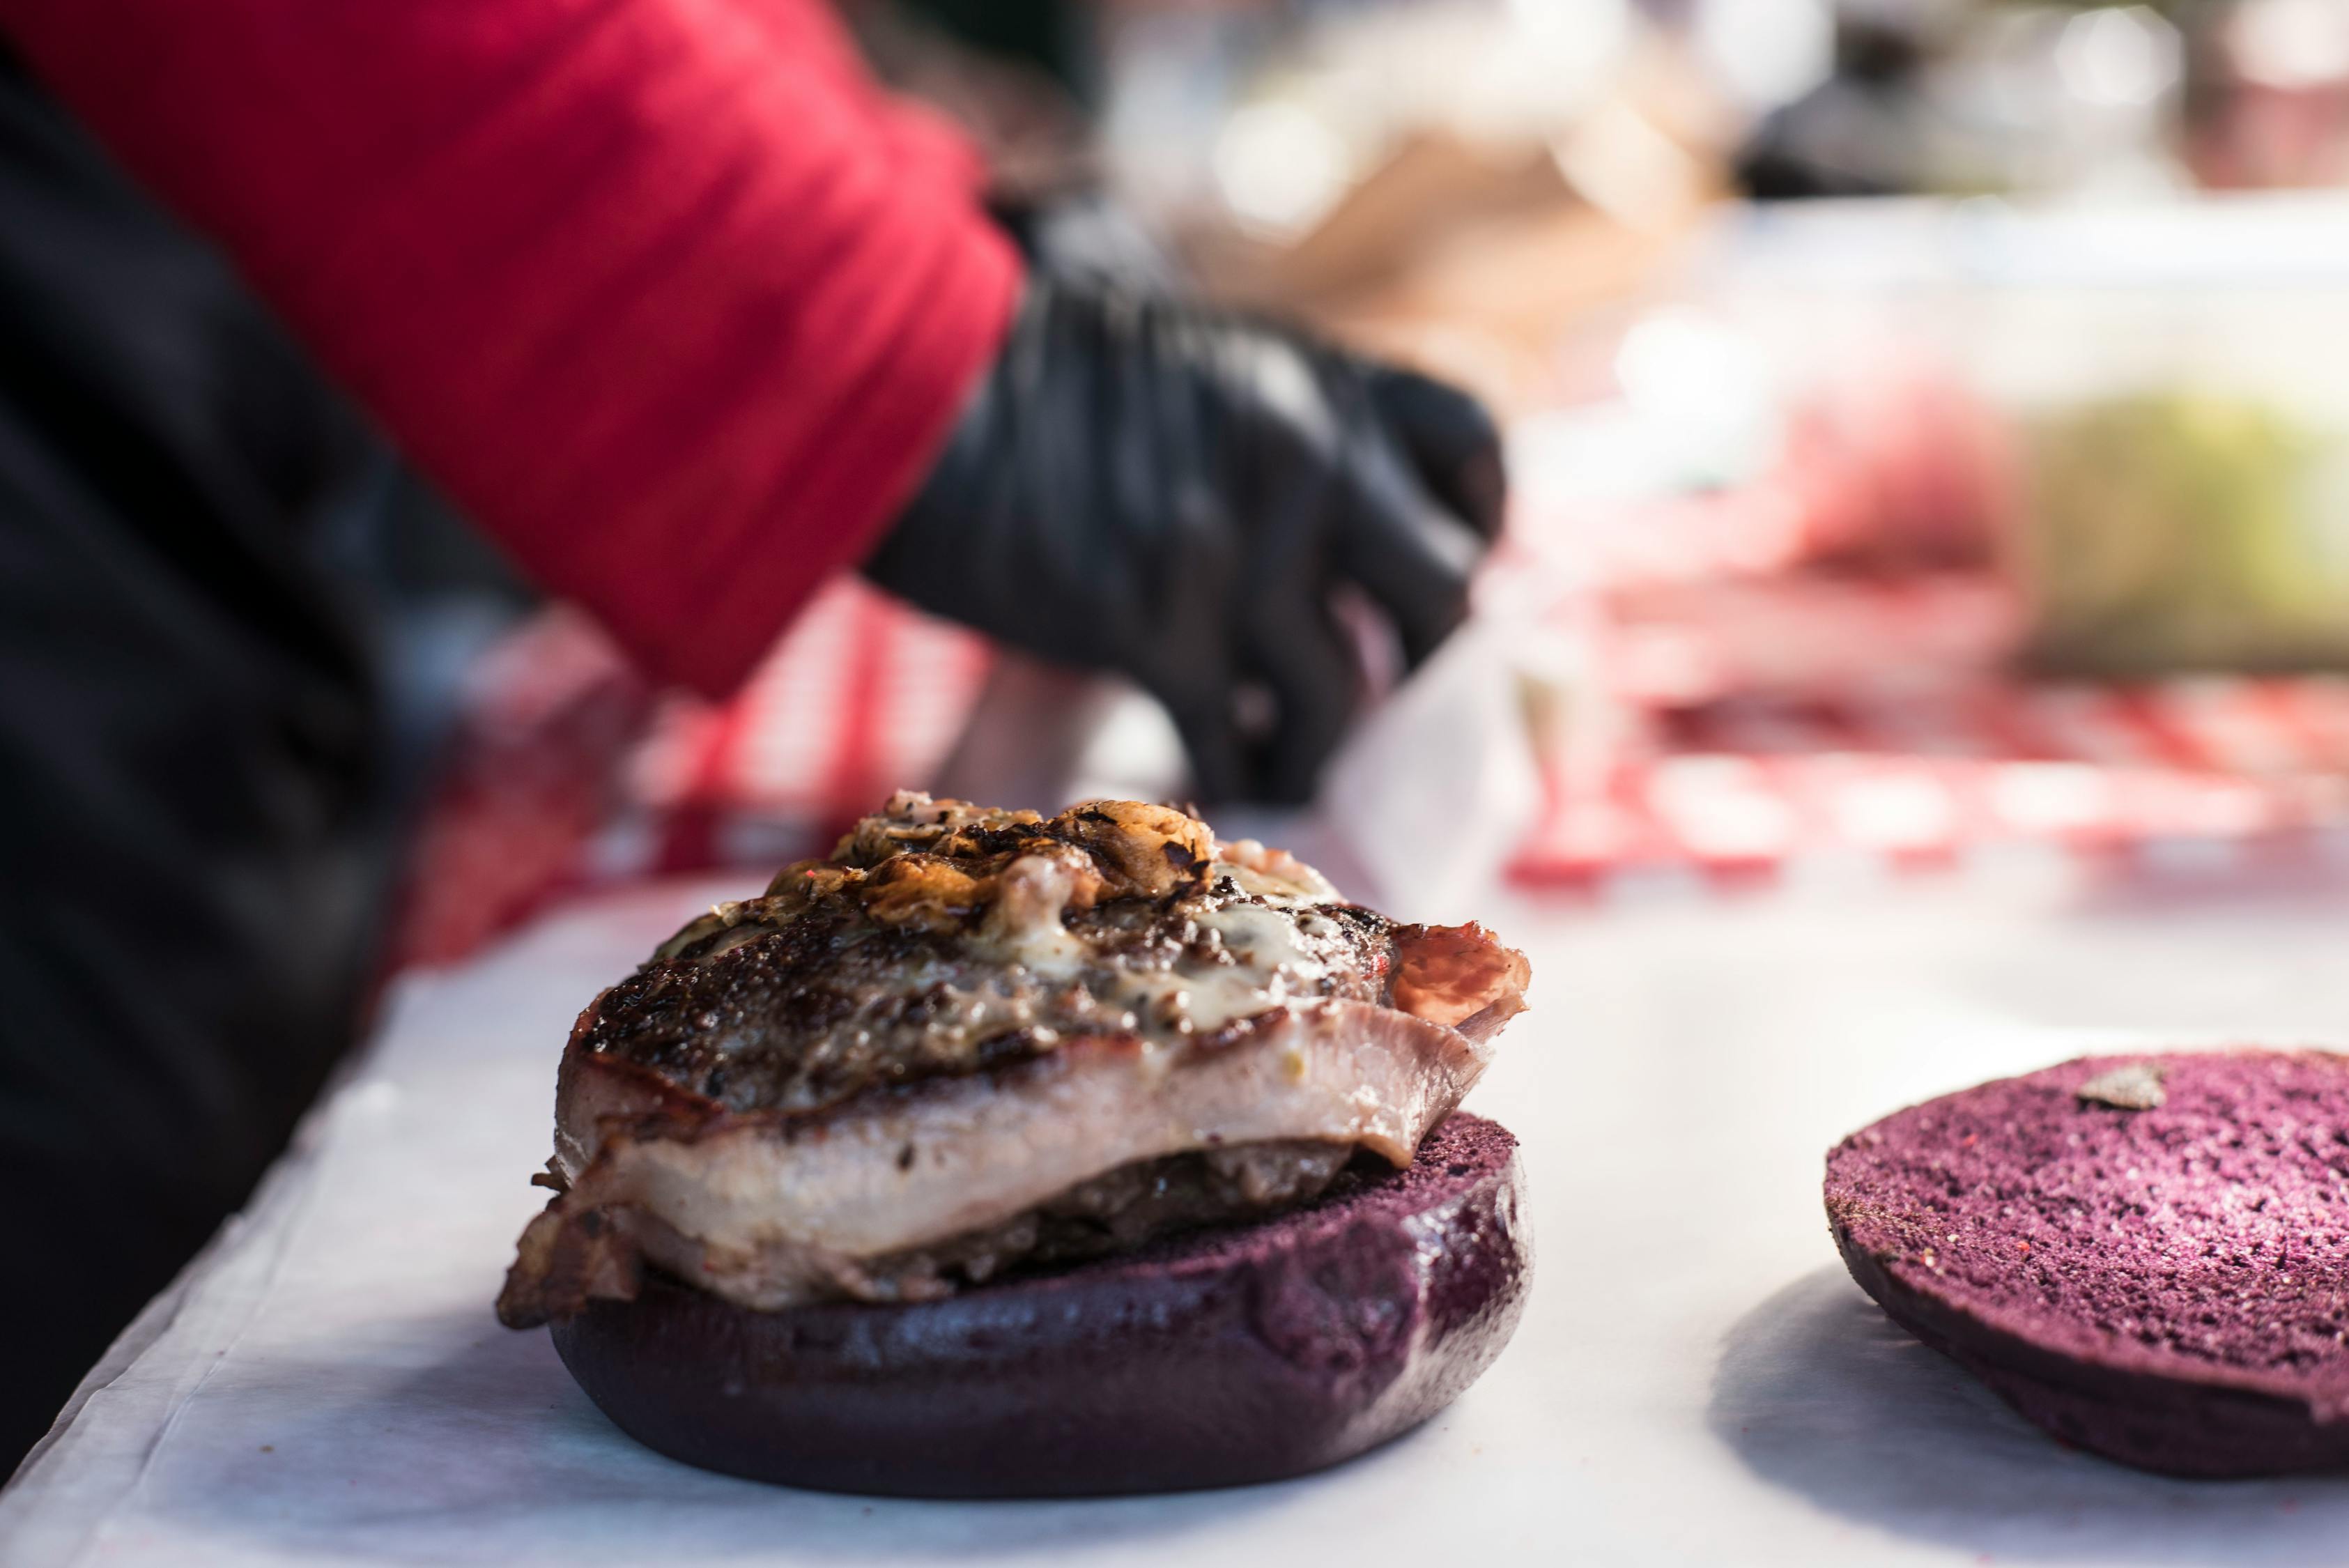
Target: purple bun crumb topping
[(2147, 1255)]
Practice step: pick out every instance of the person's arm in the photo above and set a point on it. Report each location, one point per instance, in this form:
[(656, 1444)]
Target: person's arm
[(923, 143), (640, 287)]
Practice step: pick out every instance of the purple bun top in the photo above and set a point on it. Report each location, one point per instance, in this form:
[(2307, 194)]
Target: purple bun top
[(2182, 1216)]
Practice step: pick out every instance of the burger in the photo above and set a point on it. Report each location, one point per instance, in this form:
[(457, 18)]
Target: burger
[(999, 1155)]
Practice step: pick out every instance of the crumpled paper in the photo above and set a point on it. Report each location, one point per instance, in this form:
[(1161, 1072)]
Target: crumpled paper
[(1419, 812)]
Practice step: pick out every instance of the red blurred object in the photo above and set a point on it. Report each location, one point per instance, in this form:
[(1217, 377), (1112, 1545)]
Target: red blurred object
[(1902, 469), (532, 771), (567, 771), (2267, 104)]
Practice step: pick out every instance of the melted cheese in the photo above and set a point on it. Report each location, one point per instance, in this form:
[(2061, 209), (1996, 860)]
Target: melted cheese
[(1263, 943), (1273, 875), (1268, 963), (1024, 925)]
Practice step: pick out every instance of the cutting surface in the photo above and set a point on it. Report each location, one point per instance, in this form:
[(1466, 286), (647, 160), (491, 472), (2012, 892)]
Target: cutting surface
[(1696, 1380)]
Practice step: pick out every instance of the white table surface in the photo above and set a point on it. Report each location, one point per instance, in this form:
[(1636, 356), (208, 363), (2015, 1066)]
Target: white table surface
[(1696, 1381)]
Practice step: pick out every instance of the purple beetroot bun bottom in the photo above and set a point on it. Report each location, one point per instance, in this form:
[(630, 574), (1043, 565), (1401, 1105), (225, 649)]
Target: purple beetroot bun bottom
[(1215, 1359), (2166, 1284)]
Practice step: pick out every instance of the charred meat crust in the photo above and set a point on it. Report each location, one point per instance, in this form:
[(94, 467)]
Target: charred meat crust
[(1126, 1208), (821, 1010), (875, 969)]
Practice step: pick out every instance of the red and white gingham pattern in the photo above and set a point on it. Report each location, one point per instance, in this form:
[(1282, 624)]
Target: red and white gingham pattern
[(861, 697), (569, 775), (566, 771), (1744, 787)]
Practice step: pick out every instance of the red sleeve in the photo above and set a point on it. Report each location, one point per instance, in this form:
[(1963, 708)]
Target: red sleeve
[(654, 295), (923, 143)]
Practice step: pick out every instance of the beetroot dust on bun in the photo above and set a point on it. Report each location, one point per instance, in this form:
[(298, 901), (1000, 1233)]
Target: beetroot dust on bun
[(1003, 1155), (2148, 1256)]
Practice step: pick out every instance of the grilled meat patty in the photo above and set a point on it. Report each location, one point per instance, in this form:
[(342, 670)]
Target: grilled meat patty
[(976, 1038)]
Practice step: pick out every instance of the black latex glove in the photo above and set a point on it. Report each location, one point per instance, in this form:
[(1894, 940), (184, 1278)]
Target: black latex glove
[(1174, 493), (1084, 237)]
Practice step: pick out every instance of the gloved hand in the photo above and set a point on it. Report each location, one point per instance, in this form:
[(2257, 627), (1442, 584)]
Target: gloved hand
[(1174, 493)]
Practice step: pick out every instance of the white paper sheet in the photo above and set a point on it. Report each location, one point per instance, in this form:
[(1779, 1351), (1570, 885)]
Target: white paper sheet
[(1696, 1381)]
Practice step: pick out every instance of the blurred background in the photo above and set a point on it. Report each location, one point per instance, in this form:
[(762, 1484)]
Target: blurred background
[(1924, 418), (1927, 433)]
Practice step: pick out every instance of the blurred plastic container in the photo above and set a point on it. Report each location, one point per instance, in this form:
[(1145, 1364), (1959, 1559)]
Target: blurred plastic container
[(2169, 479)]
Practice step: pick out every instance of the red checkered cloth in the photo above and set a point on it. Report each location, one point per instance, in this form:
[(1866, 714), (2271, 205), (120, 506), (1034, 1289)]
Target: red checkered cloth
[(568, 772), (1747, 787)]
